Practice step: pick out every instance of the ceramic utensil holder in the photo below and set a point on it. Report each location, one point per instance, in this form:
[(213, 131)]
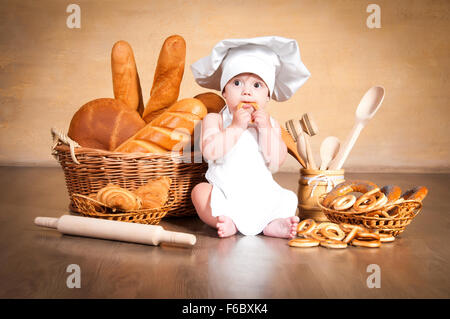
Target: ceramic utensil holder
[(311, 185)]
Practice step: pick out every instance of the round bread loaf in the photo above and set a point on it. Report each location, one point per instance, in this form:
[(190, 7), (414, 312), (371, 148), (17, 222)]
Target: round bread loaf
[(104, 124), (213, 102)]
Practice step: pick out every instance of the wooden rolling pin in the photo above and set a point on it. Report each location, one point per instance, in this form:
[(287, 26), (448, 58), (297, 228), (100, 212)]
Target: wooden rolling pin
[(115, 230)]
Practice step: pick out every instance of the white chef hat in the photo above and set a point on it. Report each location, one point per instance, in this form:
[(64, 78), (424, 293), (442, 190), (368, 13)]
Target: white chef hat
[(275, 59)]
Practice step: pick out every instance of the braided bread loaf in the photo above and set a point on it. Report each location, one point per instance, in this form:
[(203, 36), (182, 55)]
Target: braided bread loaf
[(170, 131)]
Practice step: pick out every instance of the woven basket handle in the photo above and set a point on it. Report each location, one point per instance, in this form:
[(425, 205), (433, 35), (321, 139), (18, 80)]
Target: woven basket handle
[(60, 137)]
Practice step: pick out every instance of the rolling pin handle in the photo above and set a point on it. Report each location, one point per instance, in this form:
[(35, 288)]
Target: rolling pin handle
[(178, 238), (49, 222)]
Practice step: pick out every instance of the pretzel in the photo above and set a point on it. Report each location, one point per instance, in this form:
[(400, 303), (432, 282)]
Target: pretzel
[(343, 202), (348, 187), (392, 193), (333, 232), (417, 193), (333, 244), (303, 242), (309, 224)]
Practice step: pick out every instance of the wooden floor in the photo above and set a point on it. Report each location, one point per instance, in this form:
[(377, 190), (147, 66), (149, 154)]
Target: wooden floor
[(34, 261)]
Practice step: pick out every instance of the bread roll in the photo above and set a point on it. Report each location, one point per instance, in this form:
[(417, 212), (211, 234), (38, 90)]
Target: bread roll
[(213, 102), (115, 196), (155, 193), (104, 124), (170, 131), (126, 84), (168, 74)]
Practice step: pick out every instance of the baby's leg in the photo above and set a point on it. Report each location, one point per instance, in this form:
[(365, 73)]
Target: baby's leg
[(282, 227), (201, 198)]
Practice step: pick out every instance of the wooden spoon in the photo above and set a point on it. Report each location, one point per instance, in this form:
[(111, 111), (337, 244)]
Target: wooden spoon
[(368, 106), (328, 151)]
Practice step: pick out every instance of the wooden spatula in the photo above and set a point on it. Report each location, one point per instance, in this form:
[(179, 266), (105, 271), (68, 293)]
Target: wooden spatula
[(292, 147), (310, 128)]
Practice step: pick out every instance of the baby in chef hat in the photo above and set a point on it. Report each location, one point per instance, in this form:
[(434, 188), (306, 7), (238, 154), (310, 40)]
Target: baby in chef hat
[(242, 144)]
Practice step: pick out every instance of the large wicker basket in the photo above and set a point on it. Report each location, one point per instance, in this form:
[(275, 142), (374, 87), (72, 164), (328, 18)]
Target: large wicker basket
[(88, 170), (390, 219)]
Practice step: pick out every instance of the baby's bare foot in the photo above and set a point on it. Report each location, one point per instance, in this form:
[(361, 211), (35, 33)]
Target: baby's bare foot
[(282, 227), (225, 226)]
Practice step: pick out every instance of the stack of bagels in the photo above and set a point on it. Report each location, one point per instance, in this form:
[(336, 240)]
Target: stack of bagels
[(124, 124)]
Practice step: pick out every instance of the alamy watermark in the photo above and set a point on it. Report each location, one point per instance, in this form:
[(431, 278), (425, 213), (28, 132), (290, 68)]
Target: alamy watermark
[(374, 279), (74, 19), (74, 279), (374, 19)]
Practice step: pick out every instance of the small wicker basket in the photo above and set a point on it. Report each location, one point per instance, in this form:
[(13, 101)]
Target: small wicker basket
[(91, 208), (87, 170), (395, 217)]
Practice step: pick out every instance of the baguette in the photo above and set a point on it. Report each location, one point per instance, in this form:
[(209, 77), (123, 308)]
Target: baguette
[(104, 124), (167, 79), (170, 131), (125, 78)]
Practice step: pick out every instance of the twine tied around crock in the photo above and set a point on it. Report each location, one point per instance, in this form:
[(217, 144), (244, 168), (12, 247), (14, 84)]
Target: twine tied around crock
[(59, 136), (330, 180)]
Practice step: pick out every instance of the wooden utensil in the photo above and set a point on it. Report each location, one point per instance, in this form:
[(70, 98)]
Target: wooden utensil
[(115, 230), (328, 151), (292, 147), (310, 128), (295, 130), (368, 106)]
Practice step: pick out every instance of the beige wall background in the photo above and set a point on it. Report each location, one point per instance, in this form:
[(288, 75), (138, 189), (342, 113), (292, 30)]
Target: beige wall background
[(47, 70)]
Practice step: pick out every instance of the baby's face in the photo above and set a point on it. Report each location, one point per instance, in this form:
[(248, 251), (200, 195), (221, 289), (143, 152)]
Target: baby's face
[(246, 87)]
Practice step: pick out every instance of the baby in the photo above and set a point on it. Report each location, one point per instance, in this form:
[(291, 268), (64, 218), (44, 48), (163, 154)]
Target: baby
[(243, 144)]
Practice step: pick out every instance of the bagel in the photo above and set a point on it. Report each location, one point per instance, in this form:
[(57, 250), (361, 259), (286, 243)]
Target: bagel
[(343, 202), (303, 242), (386, 238), (351, 235), (336, 244), (369, 200), (417, 193), (392, 192), (306, 226), (254, 104), (366, 243), (347, 187), (333, 232)]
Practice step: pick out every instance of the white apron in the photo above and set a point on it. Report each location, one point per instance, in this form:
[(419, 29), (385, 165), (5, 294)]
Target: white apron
[(243, 186)]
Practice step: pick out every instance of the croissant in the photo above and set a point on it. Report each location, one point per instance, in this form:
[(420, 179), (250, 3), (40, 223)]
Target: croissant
[(155, 193), (116, 197)]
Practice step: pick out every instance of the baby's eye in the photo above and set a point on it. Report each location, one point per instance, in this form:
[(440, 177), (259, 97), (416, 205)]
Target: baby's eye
[(237, 82), (257, 85)]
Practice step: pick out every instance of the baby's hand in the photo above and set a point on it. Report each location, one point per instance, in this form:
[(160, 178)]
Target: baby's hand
[(241, 118), (261, 119)]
